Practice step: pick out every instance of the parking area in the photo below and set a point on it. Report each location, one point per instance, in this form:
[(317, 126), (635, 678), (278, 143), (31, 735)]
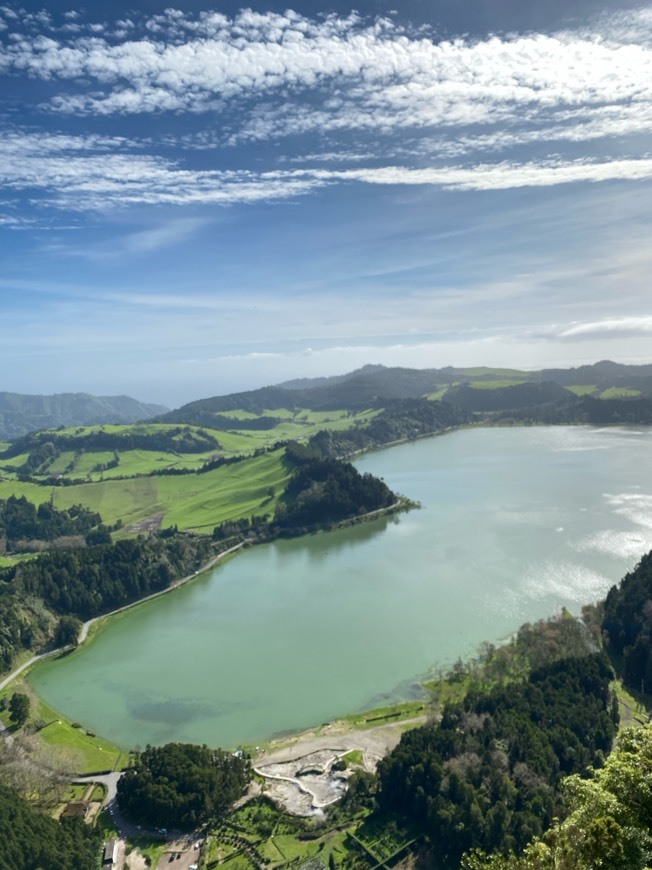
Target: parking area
[(180, 855)]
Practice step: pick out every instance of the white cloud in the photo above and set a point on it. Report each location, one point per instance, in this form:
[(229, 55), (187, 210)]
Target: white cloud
[(502, 176), (79, 174), (359, 75), (615, 328)]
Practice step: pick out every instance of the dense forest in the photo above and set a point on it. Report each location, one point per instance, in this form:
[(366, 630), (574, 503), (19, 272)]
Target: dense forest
[(181, 786), (608, 820), (583, 410), (23, 525), (88, 582), (38, 598), (400, 420), (325, 490), (30, 840), (488, 774), (627, 623)]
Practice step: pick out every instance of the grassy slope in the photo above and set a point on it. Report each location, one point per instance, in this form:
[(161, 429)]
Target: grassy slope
[(301, 424), (189, 501)]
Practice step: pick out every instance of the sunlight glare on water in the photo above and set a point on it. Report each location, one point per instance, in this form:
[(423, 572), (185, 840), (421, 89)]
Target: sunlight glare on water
[(515, 524)]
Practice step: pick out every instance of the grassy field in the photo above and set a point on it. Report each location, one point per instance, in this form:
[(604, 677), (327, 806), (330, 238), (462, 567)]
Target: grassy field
[(485, 372), (387, 715), (438, 394), (619, 393), (497, 384), (583, 389), (7, 561), (189, 501), (91, 753), (32, 491), (83, 464), (196, 502)]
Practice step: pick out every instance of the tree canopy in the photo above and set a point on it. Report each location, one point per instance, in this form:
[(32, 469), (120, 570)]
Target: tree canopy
[(180, 785), (608, 822), (488, 774), (30, 840)]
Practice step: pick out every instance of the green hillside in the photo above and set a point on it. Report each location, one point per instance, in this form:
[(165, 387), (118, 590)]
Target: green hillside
[(192, 501)]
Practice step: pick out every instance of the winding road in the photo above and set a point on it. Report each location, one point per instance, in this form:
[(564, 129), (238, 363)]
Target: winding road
[(83, 634)]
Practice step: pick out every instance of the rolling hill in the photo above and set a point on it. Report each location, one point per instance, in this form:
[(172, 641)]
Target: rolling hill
[(20, 413)]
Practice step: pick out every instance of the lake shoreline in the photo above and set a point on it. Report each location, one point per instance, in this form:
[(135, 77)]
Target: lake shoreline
[(561, 445)]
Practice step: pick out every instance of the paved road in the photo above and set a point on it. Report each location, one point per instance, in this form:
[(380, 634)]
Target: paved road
[(125, 829), (110, 782), (83, 634), (12, 676)]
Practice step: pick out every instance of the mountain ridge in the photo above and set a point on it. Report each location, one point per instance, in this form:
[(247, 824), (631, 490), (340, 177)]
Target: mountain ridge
[(21, 413)]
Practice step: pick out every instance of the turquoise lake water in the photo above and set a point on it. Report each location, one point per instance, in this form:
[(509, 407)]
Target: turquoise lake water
[(515, 523)]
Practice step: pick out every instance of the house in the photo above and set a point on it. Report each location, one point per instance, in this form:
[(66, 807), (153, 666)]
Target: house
[(110, 854), (76, 809)]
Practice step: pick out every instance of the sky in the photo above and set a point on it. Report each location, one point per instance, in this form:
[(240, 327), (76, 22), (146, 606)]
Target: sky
[(199, 199)]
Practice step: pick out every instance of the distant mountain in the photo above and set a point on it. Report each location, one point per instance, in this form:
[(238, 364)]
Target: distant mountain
[(368, 387), (312, 383), (481, 389), (20, 414), (507, 398), (604, 375)]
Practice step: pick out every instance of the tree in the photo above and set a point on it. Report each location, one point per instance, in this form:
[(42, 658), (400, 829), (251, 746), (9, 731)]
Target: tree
[(181, 785), (19, 708), (67, 632), (608, 823)]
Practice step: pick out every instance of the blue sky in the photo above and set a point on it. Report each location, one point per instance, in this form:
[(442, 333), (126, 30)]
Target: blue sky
[(198, 200)]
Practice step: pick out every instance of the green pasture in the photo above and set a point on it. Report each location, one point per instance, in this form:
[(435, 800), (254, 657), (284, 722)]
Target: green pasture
[(82, 464), (438, 394), (241, 414), (119, 428), (497, 384), (87, 461), (230, 492), (32, 491), (14, 461), (64, 460), (7, 561), (583, 389), (484, 371), (135, 462), (189, 501), (97, 754), (619, 393)]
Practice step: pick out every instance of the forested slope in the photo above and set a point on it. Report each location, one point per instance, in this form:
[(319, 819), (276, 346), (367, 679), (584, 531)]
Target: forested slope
[(488, 774)]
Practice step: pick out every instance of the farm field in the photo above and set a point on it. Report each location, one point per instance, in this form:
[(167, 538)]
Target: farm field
[(192, 502), (99, 464), (196, 502)]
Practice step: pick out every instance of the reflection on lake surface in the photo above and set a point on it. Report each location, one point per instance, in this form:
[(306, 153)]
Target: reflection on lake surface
[(515, 523)]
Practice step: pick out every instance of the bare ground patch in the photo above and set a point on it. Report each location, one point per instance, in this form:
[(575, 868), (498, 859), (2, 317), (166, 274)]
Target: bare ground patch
[(149, 524)]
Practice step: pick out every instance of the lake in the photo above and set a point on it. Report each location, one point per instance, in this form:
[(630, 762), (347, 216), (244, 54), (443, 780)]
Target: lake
[(515, 523)]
